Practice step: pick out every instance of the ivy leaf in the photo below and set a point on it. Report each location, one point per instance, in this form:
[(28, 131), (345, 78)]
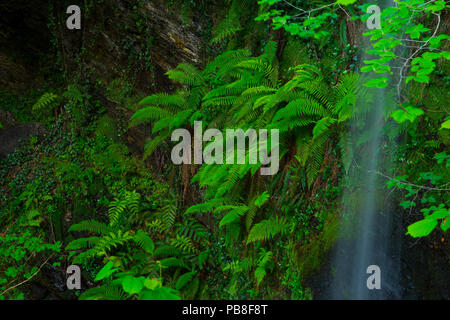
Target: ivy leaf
[(11, 272), (439, 214), (436, 42), (418, 78)]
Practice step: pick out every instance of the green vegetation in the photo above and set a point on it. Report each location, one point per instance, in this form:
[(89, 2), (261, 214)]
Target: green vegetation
[(89, 191)]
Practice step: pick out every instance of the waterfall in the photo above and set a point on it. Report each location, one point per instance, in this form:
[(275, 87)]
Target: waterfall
[(370, 231)]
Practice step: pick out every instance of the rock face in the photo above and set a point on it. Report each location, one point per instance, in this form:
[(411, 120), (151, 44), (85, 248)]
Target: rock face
[(139, 41), (7, 119), (11, 138), (24, 39), (114, 34), (120, 39)]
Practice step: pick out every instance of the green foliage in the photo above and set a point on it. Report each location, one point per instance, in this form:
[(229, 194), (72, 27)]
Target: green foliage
[(238, 90), (229, 26), (409, 113), (424, 227), (46, 103), (434, 214), (21, 254), (267, 229), (307, 21), (399, 20), (150, 230)]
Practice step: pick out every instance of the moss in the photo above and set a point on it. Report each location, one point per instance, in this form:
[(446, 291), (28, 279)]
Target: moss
[(294, 54), (106, 127), (311, 255)]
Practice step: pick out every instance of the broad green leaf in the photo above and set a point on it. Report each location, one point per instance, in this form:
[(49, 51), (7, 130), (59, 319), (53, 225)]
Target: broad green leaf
[(106, 271), (133, 285), (152, 284), (410, 113), (422, 228), (380, 82), (446, 125), (345, 2)]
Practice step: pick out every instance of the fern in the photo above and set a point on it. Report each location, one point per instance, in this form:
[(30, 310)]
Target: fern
[(82, 243), (192, 230), (173, 263), (111, 241), (184, 280), (73, 94), (166, 251), (105, 292), (262, 263), (149, 115), (187, 74), (168, 214), (233, 215), (45, 103), (183, 243), (91, 226), (229, 26), (130, 202), (267, 229), (144, 241)]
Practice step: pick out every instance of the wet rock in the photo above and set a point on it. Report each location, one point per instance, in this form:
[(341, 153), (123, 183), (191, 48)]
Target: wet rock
[(7, 119), (10, 138)]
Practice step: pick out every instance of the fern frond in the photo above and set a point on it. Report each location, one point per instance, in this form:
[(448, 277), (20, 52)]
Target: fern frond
[(148, 115), (111, 241), (91, 226), (82, 243), (267, 229), (186, 73), (105, 292), (183, 243), (166, 251), (152, 144), (229, 26), (144, 241), (46, 102)]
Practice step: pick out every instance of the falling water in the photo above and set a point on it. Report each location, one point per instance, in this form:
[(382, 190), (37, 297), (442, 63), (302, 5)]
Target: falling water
[(369, 233)]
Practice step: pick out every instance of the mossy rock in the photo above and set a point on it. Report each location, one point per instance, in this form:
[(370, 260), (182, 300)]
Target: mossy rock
[(311, 255), (107, 127)]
